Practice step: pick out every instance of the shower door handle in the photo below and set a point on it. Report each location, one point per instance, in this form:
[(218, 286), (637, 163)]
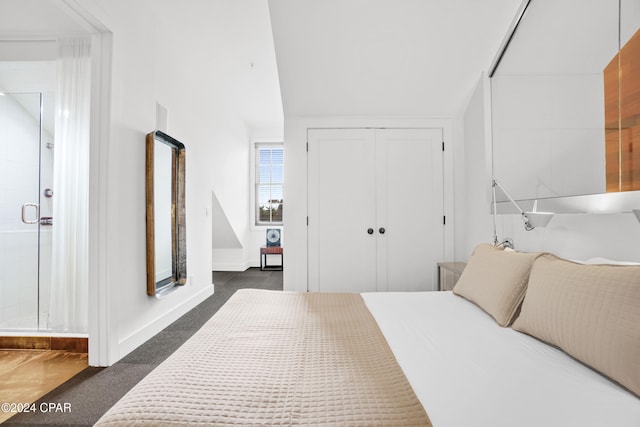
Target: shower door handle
[(24, 211)]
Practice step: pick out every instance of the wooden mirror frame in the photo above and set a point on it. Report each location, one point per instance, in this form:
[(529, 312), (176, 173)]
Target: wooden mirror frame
[(178, 227)]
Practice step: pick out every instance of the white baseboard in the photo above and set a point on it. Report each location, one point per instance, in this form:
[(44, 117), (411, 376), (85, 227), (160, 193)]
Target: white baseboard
[(230, 266), (139, 337)]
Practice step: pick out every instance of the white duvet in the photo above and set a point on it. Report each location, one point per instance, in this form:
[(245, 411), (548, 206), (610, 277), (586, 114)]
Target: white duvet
[(469, 372)]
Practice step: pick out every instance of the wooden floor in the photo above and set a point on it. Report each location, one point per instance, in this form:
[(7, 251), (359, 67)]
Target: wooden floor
[(26, 375)]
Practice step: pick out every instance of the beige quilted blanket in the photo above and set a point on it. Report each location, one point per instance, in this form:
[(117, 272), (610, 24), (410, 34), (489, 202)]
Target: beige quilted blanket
[(278, 358)]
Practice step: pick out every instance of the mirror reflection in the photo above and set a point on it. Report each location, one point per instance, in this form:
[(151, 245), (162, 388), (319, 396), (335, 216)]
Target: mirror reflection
[(166, 243), (559, 126), (162, 191), (623, 142)]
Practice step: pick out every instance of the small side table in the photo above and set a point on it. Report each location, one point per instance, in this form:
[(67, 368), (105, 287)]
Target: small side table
[(271, 250), (448, 274)]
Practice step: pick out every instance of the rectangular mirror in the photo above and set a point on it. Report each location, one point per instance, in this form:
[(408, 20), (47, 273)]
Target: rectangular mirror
[(166, 231), (563, 109)]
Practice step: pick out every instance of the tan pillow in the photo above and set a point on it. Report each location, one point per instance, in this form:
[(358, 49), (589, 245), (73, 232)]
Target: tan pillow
[(592, 312), (496, 281)]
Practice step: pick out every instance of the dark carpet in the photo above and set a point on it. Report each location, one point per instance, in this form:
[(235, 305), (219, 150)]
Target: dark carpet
[(93, 391)]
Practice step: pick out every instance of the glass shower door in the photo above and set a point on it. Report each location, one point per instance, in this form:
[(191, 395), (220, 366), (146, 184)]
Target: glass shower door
[(20, 212)]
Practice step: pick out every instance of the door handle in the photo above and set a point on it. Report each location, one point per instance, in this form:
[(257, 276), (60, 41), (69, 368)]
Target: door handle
[(24, 213), (382, 230)]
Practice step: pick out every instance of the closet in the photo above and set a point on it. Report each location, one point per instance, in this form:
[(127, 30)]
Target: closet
[(375, 205)]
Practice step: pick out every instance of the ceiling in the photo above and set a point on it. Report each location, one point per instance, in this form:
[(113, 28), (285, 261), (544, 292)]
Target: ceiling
[(384, 57), (227, 44), (360, 58), (33, 18), (227, 48)]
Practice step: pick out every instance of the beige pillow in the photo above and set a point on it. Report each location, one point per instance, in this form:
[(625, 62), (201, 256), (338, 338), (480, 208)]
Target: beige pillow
[(592, 312), (496, 281)]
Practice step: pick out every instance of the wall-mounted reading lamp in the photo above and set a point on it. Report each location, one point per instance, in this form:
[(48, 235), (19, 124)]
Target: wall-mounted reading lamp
[(531, 219)]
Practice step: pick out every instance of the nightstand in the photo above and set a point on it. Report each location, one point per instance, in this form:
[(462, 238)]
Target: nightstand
[(271, 250), (448, 274)]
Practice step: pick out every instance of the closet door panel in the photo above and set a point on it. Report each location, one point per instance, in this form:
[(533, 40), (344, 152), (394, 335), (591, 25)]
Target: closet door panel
[(409, 208), (341, 206)]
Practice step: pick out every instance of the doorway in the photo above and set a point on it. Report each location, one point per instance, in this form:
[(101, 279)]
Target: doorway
[(44, 137)]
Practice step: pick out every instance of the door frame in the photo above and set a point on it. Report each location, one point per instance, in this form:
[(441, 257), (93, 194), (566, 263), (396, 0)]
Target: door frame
[(102, 337), (103, 342)]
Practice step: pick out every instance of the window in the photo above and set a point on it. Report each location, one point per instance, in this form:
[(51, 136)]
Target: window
[(269, 183)]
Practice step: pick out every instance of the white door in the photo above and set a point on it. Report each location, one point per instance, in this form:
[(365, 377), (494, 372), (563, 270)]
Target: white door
[(341, 208), (409, 193), (375, 209)]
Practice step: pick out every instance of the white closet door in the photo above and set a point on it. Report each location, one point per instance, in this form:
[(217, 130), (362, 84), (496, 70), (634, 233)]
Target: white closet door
[(341, 206), (409, 208)]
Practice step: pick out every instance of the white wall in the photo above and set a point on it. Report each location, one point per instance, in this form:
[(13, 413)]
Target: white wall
[(579, 236), (574, 236), (203, 62), (295, 215), (137, 84)]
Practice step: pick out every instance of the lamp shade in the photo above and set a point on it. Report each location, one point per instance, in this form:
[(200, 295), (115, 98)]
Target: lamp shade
[(636, 212), (539, 219)]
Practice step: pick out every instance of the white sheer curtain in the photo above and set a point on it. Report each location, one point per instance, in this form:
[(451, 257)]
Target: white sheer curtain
[(68, 311)]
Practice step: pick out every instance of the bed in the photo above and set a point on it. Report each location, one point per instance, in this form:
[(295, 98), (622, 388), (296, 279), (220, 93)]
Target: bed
[(452, 359)]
